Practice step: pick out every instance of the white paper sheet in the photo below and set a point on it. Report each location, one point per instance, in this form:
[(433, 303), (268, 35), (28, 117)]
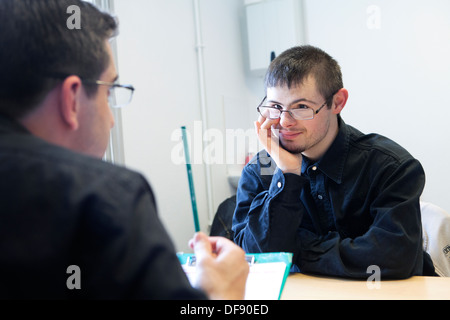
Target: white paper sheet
[(263, 283)]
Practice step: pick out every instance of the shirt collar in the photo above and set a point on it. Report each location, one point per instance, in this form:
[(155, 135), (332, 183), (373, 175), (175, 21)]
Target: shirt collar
[(8, 124), (333, 161)]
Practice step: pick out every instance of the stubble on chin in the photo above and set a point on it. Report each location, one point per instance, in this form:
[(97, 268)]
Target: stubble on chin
[(292, 149)]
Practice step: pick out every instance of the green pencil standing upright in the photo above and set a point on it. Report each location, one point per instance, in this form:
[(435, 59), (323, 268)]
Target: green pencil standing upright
[(190, 179)]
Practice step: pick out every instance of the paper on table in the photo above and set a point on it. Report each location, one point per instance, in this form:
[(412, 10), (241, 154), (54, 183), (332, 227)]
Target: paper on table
[(264, 281)]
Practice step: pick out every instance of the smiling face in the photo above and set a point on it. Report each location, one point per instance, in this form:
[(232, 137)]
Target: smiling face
[(309, 137)]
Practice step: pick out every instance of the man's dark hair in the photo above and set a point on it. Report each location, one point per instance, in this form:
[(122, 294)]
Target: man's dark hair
[(294, 65), (37, 44)]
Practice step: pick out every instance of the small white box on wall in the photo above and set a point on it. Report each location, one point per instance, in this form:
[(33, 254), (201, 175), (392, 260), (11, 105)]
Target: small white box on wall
[(273, 26)]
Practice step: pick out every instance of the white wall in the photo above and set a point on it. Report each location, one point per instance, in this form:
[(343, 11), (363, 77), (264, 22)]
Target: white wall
[(157, 54), (394, 59)]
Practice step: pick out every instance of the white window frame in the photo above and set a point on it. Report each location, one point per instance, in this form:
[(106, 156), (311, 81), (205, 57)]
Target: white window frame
[(115, 151)]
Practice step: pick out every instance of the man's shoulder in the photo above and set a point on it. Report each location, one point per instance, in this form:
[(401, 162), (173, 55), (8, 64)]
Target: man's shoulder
[(377, 143), (53, 160), (88, 168)]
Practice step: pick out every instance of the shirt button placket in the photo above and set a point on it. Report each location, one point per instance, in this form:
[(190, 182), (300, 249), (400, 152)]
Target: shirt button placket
[(314, 168)]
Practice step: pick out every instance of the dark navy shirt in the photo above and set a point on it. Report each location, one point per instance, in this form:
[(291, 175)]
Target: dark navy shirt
[(356, 207), (60, 209)]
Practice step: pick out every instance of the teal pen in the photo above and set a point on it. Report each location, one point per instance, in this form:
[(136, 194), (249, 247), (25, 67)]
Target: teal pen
[(191, 179)]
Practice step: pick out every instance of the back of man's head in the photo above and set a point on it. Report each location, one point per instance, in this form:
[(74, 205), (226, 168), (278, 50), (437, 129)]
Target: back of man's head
[(41, 45)]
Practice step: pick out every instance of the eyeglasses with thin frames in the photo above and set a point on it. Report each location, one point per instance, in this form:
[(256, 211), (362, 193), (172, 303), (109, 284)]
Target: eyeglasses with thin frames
[(304, 113), (119, 95)]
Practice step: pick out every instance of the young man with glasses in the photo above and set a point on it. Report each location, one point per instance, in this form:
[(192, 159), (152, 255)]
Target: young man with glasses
[(338, 199), (71, 225)]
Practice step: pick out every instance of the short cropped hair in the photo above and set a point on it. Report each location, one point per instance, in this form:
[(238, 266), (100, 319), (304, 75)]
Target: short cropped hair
[(36, 44), (294, 65)]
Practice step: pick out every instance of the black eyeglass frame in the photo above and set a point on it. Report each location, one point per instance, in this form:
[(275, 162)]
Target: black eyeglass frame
[(112, 85), (290, 112), (92, 82)]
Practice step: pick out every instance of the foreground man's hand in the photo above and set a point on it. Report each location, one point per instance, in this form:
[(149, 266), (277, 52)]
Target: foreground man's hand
[(221, 267)]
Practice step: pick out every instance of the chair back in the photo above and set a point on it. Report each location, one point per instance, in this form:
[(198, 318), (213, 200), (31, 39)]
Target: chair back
[(436, 236)]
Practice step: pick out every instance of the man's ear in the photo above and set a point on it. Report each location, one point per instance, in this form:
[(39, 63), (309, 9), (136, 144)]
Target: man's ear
[(71, 94), (340, 99)]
